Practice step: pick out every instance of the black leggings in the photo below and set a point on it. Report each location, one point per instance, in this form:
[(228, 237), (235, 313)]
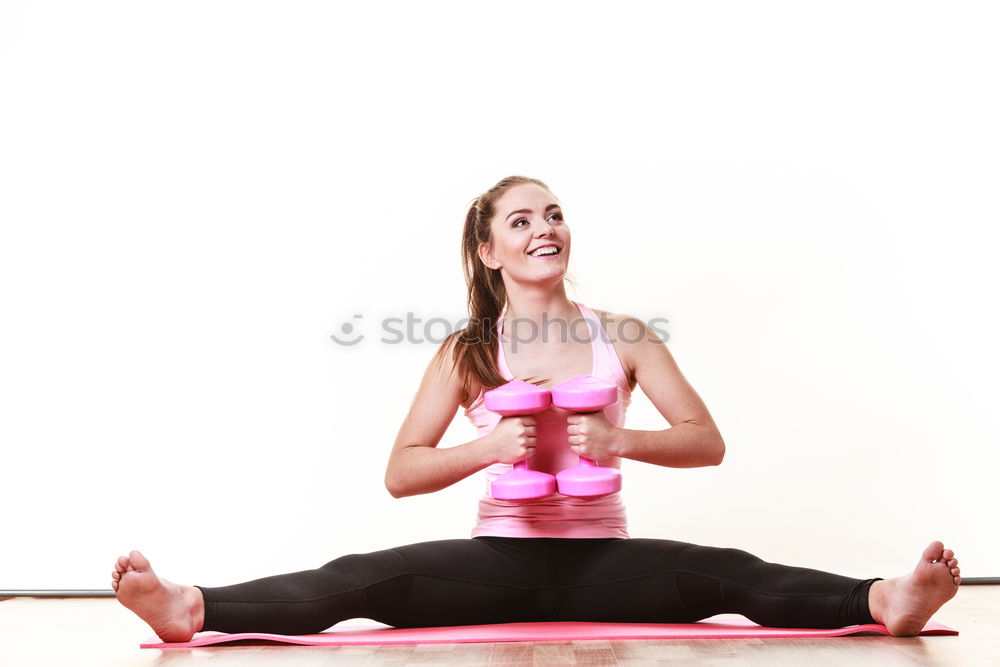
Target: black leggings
[(503, 580)]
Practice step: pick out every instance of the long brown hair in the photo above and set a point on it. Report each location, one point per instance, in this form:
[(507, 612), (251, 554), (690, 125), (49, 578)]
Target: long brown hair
[(474, 347)]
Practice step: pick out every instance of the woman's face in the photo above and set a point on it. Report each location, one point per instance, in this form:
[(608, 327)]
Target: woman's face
[(528, 219)]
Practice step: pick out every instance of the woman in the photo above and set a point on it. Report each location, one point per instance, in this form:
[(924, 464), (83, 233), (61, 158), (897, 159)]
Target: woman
[(560, 558)]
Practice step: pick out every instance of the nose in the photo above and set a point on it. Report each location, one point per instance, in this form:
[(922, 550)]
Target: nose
[(544, 228)]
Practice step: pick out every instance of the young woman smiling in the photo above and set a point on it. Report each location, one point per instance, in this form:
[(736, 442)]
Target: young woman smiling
[(559, 558)]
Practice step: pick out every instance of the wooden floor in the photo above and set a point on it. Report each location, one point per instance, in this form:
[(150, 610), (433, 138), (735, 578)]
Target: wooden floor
[(101, 632)]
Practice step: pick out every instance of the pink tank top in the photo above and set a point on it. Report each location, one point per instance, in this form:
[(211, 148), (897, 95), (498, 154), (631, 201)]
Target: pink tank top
[(558, 515)]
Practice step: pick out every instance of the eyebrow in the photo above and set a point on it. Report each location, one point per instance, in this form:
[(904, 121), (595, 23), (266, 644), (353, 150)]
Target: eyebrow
[(528, 210)]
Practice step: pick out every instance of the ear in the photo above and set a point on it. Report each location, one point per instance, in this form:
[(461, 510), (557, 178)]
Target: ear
[(486, 256)]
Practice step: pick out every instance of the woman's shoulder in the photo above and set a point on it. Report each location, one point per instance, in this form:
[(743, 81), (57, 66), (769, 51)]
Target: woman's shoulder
[(444, 367), (622, 326), (627, 334)]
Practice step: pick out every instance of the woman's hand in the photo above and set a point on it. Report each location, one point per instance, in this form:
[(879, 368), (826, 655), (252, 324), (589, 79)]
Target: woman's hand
[(513, 439), (592, 435)]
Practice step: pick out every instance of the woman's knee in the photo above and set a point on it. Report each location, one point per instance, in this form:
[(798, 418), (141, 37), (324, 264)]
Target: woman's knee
[(369, 568), (718, 560)]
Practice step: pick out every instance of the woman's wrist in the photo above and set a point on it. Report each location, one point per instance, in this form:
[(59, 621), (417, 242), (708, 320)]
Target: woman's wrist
[(621, 443), (485, 450), (686, 445), (430, 469)]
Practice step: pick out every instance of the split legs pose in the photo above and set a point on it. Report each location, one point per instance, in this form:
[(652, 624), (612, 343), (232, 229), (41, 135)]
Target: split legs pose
[(495, 580)]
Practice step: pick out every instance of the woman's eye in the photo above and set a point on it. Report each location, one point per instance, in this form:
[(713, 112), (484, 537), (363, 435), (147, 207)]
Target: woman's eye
[(557, 216)]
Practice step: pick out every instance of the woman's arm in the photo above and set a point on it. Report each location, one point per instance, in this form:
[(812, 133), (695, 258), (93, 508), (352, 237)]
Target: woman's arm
[(694, 439), (415, 464)]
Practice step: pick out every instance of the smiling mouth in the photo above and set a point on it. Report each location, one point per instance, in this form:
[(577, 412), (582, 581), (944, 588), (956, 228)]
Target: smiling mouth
[(547, 252)]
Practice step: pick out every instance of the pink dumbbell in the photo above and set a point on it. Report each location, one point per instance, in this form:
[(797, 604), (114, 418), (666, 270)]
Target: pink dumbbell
[(520, 398), (586, 393)]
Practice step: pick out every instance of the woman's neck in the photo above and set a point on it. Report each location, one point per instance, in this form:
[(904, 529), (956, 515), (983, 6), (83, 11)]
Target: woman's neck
[(540, 307)]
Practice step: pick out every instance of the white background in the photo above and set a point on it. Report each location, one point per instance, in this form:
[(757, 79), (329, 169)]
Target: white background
[(195, 195)]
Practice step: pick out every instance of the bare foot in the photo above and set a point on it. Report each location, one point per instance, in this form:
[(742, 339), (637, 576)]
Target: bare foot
[(905, 604), (174, 612)]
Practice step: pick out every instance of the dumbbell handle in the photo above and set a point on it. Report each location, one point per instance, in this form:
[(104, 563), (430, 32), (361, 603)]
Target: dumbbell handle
[(582, 395), (521, 482)]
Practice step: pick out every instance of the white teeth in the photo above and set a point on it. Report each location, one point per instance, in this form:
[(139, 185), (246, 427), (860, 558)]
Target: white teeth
[(550, 250)]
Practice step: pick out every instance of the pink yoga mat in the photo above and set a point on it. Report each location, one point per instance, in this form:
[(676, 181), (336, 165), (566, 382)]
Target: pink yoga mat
[(735, 627)]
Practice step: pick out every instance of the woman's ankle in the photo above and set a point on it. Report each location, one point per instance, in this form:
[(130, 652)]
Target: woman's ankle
[(196, 606), (878, 599)]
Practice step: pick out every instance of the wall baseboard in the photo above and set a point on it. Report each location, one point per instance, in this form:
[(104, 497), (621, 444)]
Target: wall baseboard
[(108, 593)]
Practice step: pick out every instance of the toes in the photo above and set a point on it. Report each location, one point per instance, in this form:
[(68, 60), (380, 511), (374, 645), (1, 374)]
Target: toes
[(932, 552), (116, 575), (953, 562), (122, 563), (948, 554), (114, 585), (138, 561)]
